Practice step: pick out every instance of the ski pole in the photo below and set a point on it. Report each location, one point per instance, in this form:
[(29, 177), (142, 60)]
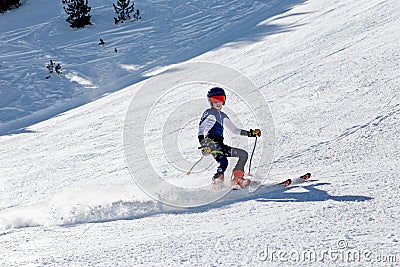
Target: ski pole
[(252, 153), (197, 162)]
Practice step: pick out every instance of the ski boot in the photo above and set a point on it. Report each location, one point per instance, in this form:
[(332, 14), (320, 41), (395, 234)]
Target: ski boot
[(237, 180)]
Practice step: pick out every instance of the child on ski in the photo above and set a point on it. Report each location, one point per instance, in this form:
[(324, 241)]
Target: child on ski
[(211, 130)]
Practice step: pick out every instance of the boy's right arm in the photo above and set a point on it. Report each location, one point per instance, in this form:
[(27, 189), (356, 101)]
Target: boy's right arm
[(202, 125)]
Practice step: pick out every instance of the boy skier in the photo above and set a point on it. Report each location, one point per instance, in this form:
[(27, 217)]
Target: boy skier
[(211, 126)]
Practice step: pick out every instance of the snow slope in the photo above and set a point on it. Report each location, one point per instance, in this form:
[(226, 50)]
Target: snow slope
[(168, 33), (329, 71)]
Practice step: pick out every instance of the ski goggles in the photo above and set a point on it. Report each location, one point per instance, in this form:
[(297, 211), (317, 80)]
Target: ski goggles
[(217, 98)]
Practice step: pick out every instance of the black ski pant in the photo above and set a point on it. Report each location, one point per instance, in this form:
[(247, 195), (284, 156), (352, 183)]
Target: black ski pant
[(228, 151)]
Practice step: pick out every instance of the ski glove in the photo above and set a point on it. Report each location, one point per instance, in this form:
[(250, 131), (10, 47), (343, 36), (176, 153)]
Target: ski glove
[(208, 146), (205, 150), (254, 133)]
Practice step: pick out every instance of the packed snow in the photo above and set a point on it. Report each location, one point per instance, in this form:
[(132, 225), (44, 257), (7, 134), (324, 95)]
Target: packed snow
[(328, 72)]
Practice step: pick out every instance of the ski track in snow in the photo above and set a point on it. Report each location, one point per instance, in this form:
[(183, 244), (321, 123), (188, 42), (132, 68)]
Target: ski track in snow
[(328, 70)]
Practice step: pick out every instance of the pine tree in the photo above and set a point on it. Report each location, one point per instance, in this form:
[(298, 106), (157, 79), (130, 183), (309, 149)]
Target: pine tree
[(9, 4), (78, 13), (124, 9)]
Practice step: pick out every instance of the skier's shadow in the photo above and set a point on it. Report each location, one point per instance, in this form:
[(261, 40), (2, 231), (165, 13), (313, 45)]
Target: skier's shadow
[(312, 194)]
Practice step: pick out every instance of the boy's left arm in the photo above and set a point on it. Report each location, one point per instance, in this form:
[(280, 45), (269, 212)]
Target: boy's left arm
[(252, 133)]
